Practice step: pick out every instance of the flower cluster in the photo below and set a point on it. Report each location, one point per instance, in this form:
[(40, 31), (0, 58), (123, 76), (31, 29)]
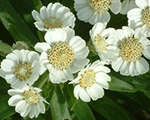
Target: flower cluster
[(64, 55)]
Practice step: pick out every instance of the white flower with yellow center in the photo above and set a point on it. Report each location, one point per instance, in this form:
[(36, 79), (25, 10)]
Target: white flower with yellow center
[(127, 5), (27, 101), (133, 47), (140, 17), (53, 16), (91, 81), (21, 67), (63, 54), (94, 11), (104, 45)]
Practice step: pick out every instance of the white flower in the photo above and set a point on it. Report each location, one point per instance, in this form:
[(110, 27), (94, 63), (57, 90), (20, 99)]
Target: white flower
[(94, 11), (139, 17), (102, 43), (54, 16), (63, 54), (91, 81), (133, 47), (127, 5), (21, 67), (27, 101)]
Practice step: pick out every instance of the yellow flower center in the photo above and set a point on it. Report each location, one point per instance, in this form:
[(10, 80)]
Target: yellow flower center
[(100, 6), (100, 43), (87, 79), (52, 23), (130, 49), (146, 16), (61, 55), (23, 71), (30, 96)]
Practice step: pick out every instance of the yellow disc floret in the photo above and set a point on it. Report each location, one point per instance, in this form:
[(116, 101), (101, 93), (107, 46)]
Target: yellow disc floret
[(52, 22), (23, 71), (30, 96), (61, 55), (100, 6), (130, 49), (87, 79)]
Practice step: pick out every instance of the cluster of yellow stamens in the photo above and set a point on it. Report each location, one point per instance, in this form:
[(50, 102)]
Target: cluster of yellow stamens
[(100, 42), (30, 96), (23, 71), (130, 49), (146, 16), (87, 79), (100, 6), (61, 55), (52, 23)]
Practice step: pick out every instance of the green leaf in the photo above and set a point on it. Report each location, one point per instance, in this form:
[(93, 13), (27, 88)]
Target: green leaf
[(109, 109), (37, 4), (81, 109), (139, 83), (5, 110), (119, 85), (141, 99), (14, 24), (58, 105), (4, 48)]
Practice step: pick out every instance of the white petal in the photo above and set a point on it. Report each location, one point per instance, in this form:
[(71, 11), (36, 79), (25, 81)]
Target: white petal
[(103, 76), (43, 13), (40, 26), (102, 69), (14, 100), (21, 106), (142, 66), (92, 93), (2, 73), (102, 82), (15, 91), (42, 106), (55, 35), (132, 69), (36, 15), (40, 47), (77, 89), (124, 69), (80, 63), (84, 95), (117, 64), (116, 6), (32, 56), (142, 3), (147, 52), (84, 14), (98, 89), (7, 65)]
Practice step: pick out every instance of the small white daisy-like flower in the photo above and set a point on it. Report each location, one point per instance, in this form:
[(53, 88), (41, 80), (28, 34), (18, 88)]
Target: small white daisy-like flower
[(91, 81), (53, 16), (21, 67), (127, 5), (27, 101), (63, 54), (102, 43), (139, 17), (94, 11), (133, 47)]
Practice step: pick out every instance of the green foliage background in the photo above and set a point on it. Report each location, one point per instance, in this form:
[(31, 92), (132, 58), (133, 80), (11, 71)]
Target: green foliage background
[(128, 98)]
